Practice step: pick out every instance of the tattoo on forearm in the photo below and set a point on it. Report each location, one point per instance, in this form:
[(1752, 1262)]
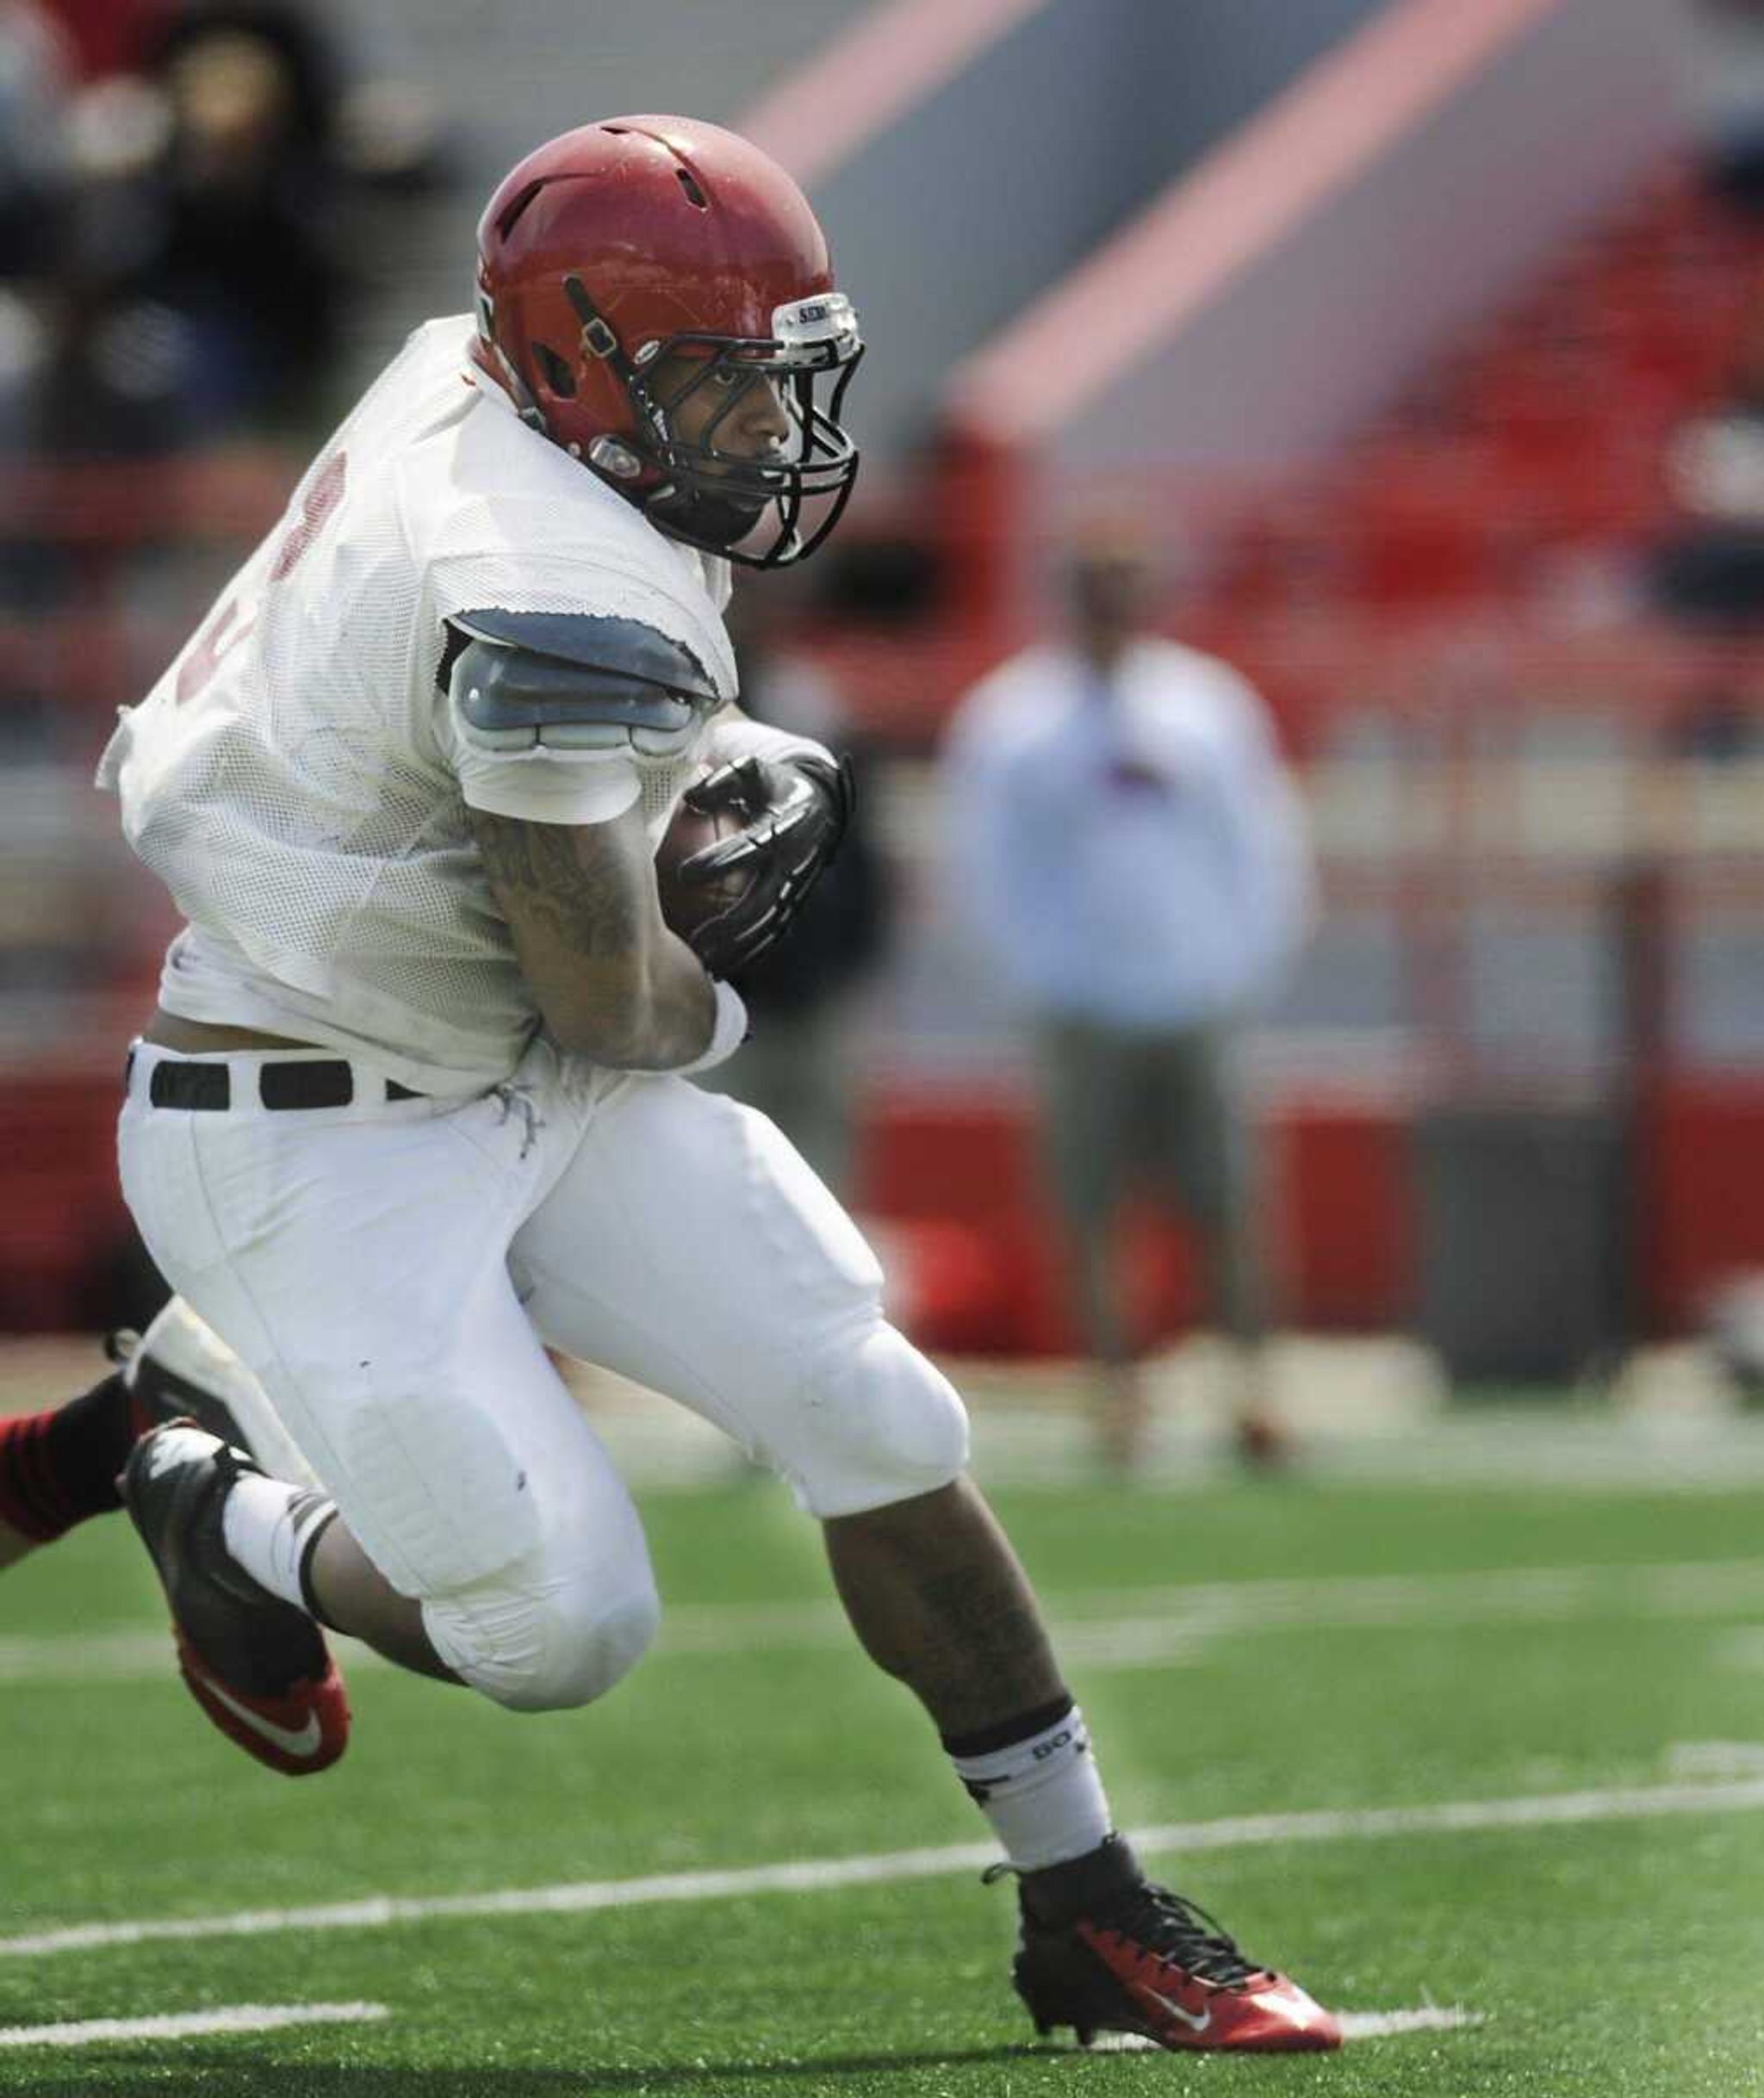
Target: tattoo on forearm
[(575, 881), (603, 970)]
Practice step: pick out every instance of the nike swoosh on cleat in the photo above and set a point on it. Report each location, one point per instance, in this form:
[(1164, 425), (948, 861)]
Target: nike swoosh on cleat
[(1195, 2021), (306, 1742)]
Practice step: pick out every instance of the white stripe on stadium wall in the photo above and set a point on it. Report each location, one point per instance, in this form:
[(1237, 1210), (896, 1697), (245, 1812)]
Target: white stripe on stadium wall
[(190, 2025), (817, 1875), (1116, 1628)]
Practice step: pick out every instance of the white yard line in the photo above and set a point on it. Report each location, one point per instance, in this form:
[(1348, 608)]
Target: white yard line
[(1742, 1648), (816, 1875), (1674, 1589), (133, 1654), (1103, 1627), (1689, 1759), (1380, 2025), (190, 2025)]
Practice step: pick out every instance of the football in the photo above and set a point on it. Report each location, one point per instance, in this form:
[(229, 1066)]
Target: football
[(688, 905)]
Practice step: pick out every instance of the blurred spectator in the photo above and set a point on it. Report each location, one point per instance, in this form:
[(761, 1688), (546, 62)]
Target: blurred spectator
[(1712, 568), (796, 1068), (1131, 849), (200, 286), (34, 79)]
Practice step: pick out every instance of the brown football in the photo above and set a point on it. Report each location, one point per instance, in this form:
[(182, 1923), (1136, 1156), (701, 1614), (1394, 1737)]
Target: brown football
[(686, 905)]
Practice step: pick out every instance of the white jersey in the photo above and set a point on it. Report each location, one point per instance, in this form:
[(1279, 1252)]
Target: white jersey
[(299, 781)]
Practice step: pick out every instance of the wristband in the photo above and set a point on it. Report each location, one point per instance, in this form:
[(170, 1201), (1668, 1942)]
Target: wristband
[(727, 1035)]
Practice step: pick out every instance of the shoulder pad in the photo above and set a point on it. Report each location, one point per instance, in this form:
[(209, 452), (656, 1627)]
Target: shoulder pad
[(574, 681)]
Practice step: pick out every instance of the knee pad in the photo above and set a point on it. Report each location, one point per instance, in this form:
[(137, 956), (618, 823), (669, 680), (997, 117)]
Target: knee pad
[(881, 1423), (546, 1645)]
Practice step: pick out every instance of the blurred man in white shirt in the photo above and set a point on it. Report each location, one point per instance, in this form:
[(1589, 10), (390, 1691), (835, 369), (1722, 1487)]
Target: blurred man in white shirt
[(1131, 849)]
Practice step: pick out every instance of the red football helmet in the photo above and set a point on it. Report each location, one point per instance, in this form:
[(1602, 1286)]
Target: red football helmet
[(652, 241)]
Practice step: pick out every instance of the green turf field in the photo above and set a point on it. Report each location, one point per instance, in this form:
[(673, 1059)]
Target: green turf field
[(1272, 1650)]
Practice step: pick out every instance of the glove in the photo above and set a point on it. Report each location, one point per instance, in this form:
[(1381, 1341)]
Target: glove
[(793, 812)]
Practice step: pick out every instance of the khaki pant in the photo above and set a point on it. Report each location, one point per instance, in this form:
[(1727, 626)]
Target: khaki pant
[(1155, 1114)]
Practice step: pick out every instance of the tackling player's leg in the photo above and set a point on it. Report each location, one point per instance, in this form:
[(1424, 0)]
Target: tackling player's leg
[(59, 1468), (260, 1671)]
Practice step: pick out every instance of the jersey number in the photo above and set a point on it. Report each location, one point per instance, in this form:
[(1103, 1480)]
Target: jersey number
[(224, 632)]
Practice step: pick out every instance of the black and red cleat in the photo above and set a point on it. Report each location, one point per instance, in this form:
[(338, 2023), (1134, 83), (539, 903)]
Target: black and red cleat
[(1103, 1950), (257, 1666)]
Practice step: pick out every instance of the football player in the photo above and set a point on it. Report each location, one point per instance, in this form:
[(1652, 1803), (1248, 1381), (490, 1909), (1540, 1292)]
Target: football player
[(414, 1106)]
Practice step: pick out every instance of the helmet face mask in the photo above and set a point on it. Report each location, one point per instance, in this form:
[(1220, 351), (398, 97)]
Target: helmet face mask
[(637, 280), (765, 508)]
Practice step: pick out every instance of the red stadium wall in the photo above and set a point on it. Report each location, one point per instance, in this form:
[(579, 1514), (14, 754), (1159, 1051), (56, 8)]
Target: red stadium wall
[(954, 1183), (1701, 1212)]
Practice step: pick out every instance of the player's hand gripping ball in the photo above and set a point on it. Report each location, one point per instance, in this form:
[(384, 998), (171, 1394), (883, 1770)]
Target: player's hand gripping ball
[(689, 906), (786, 818)]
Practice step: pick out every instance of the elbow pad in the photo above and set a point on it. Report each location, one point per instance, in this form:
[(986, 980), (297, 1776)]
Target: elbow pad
[(574, 681)]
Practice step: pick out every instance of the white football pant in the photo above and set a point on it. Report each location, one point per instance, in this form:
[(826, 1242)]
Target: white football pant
[(392, 1273)]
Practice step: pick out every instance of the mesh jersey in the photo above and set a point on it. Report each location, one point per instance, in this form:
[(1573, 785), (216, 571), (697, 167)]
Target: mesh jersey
[(299, 782)]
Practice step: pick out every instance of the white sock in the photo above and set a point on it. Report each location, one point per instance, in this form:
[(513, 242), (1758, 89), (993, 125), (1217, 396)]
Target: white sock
[(270, 1528), (1042, 1793)]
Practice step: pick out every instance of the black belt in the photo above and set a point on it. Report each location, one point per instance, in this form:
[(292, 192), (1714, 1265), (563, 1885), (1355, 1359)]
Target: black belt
[(324, 1083)]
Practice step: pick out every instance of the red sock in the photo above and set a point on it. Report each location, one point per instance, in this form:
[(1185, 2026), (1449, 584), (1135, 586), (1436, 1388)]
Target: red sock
[(58, 1468)]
